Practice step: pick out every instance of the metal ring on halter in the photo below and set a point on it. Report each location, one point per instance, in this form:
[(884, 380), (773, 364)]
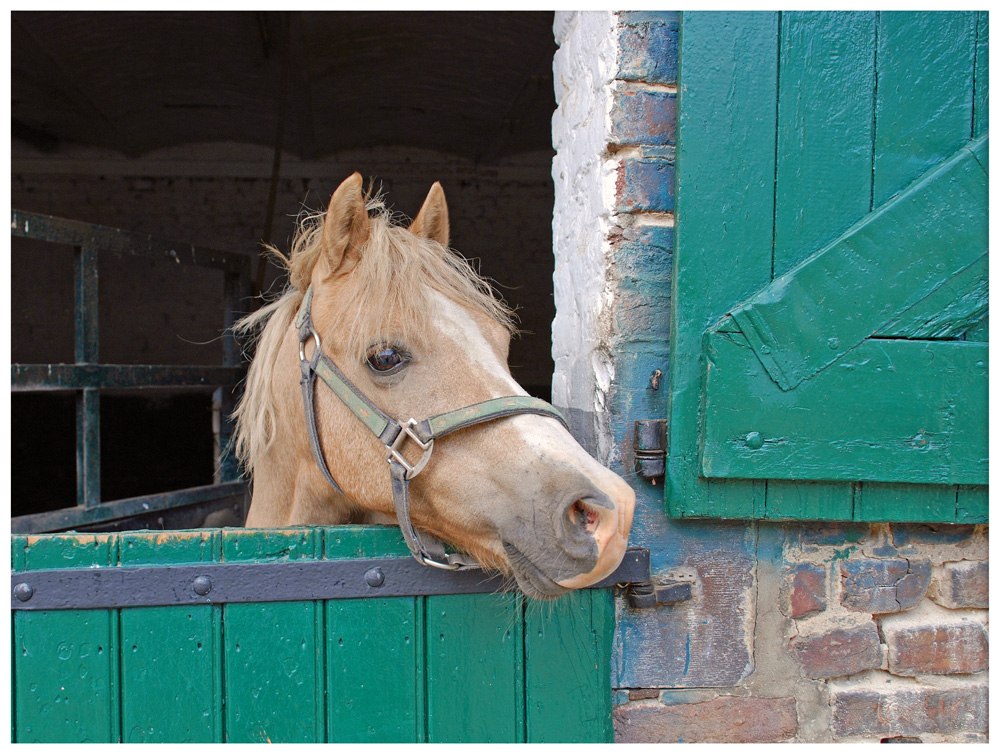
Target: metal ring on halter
[(302, 345), (438, 565)]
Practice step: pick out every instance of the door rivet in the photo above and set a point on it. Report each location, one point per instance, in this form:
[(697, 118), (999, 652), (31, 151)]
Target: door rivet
[(755, 440), (23, 592), (202, 585), (374, 577)]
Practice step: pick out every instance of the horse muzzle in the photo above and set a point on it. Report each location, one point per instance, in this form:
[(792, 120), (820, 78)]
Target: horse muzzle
[(585, 544)]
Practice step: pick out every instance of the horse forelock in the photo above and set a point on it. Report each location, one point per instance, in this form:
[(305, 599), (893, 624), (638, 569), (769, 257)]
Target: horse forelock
[(386, 300)]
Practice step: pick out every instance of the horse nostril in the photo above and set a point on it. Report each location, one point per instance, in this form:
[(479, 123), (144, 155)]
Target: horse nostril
[(584, 516)]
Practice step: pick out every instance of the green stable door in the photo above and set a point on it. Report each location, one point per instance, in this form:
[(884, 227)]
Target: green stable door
[(829, 355), (490, 667)]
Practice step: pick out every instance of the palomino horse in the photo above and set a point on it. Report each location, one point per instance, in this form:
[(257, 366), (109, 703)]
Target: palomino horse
[(396, 326)]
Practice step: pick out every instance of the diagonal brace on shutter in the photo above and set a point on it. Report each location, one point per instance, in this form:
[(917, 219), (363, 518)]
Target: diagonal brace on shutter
[(934, 230)]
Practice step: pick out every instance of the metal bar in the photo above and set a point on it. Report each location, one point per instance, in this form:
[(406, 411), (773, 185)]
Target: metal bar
[(75, 233), (85, 295), (54, 377), (193, 584), (88, 448), (63, 519), (88, 402)]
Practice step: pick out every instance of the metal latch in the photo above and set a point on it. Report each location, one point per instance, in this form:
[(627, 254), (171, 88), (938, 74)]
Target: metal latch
[(650, 447)]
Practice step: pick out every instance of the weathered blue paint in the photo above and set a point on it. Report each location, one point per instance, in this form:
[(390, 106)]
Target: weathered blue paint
[(645, 184), (648, 46), (644, 117), (700, 642)]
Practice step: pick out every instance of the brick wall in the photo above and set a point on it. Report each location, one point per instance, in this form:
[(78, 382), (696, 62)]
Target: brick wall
[(823, 632)]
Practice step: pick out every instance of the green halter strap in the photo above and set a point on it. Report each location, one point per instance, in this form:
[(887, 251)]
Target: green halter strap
[(426, 549)]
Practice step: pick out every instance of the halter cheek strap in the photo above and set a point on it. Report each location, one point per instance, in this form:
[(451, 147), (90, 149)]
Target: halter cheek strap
[(394, 435)]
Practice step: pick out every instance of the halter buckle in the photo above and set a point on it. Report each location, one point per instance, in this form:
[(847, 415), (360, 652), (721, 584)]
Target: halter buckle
[(393, 451)]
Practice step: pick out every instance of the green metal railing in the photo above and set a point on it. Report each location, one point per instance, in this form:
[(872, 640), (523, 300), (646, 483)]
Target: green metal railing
[(87, 377)]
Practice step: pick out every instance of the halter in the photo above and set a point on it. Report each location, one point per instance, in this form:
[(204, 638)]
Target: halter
[(425, 548)]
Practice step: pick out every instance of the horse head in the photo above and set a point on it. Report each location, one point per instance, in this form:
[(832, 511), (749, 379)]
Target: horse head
[(416, 333)]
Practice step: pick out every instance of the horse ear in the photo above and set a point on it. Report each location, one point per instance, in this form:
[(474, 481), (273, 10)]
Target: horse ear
[(346, 226), (432, 220)]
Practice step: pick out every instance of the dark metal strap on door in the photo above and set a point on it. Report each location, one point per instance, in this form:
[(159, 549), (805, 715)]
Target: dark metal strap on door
[(213, 583)]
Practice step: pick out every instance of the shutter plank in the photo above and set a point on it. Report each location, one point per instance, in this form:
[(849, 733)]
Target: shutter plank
[(898, 502), (892, 411), (824, 174), (924, 100), (171, 655), (981, 100), (725, 204)]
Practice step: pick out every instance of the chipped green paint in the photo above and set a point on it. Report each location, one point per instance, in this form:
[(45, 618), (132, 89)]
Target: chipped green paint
[(479, 668)]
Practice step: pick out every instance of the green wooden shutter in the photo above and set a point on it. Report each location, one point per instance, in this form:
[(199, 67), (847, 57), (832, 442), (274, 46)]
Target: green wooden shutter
[(829, 355)]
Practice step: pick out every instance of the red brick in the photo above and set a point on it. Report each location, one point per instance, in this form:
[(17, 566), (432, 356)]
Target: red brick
[(804, 590), (840, 652), (883, 585), (909, 711), (958, 648), (964, 584), (722, 719)]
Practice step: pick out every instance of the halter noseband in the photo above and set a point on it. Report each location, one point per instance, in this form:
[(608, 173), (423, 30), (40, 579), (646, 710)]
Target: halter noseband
[(425, 548)]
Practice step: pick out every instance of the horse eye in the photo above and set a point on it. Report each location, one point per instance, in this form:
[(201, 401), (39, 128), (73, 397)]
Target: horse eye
[(386, 360)]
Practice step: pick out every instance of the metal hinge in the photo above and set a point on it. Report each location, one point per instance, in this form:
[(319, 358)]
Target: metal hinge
[(650, 447), (650, 595)]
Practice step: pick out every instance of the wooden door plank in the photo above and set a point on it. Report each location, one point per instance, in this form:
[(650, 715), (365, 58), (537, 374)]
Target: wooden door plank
[(567, 652), (924, 105), (67, 662), (171, 655), (823, 178), (475, 668), (893, 411), (374, 651), (725, 202), (274, 652)]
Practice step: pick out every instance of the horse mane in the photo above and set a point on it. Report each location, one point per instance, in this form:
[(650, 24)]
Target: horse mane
[(389, 301)]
